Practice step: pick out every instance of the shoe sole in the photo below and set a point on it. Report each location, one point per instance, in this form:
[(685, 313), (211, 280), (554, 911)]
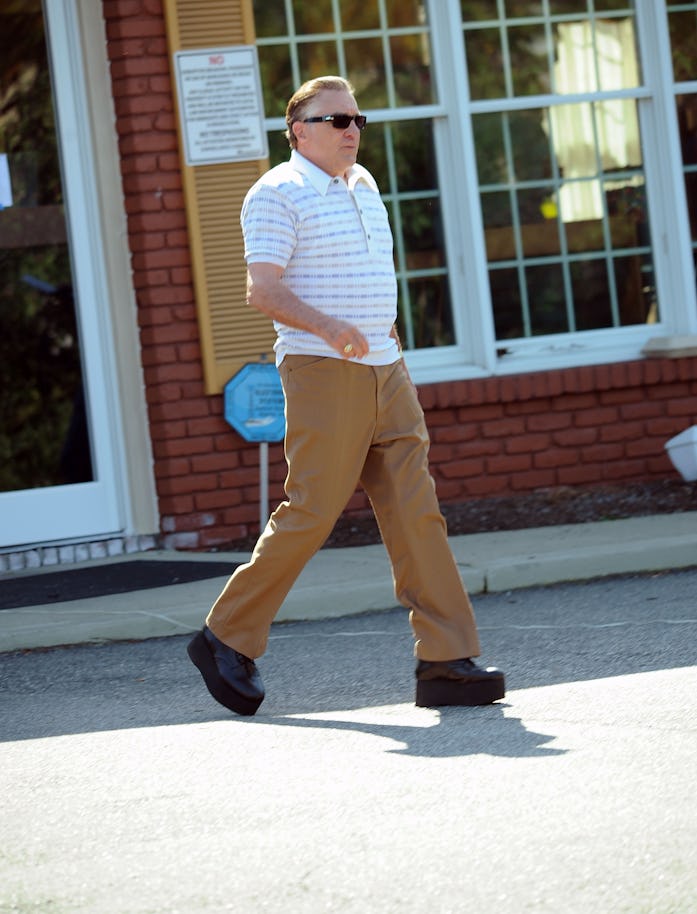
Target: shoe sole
[(201, 657), (434, 693)]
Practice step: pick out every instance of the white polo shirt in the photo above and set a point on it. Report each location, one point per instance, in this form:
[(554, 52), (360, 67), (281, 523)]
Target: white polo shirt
[(334, 243)]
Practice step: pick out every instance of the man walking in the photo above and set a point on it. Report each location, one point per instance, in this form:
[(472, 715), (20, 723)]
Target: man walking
[(318, 249)]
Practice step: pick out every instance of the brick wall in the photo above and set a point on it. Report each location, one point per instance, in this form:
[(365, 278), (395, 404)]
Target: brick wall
[(489, 437)]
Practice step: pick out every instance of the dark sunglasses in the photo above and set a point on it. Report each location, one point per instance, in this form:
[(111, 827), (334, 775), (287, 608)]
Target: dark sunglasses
[(339, 121)]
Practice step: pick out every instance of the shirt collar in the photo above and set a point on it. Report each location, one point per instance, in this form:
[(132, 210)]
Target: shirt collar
[(321, 181)]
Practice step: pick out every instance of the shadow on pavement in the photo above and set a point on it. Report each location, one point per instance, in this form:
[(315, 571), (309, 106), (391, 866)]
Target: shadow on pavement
[(502, 736)]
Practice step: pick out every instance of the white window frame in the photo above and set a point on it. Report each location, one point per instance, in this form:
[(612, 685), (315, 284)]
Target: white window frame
[(475, 352)]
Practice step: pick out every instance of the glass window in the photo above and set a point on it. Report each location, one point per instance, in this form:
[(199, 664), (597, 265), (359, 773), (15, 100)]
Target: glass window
[(682, 19), (555, 90), (44, 439), (383, 48), (562, 186), (524, 53)]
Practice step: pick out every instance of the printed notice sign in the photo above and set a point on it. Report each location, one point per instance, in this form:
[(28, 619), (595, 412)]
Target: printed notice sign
[(220, 105)]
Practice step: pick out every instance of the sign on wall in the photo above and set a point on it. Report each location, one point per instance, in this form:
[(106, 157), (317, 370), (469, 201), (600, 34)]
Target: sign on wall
[(220, 105)]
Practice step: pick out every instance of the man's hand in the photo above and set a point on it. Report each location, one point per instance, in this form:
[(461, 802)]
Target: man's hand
[(348, 340)]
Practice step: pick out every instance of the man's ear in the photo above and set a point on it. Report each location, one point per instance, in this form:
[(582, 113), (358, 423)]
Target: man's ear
[(298, 129)]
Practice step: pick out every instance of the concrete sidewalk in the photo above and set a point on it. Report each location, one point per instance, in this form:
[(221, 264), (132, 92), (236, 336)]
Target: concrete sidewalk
[(340, 582)]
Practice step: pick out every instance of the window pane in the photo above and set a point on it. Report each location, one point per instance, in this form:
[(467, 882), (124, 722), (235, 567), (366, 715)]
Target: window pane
[(487, 78), (313, 18), (498, 226), (403, 13), (683, 39), (547, 299), (559, 185), (357, 15), (530, 142), (270, 18), (508, 309), (411, 68), (492, 160), (365, 65), (430, 313), (529, 61), (509, 57), (423, 234), (591, 294), (276, 78), (687, 119), (317, 57)]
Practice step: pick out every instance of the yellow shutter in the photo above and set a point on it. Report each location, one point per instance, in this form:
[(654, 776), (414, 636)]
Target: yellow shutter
[(231, 332)]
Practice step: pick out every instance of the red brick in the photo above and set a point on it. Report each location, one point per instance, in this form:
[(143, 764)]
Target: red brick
[(177, 466), (486, 485), (580, 474), (621, 431), (602, 453), (555, 457), (641, 410), (485, 413), (628, 469), (575, 437), (179, 504), (163, 431), (508, 464), (574, 402), (503, 428), (534, 479), (217, 499), (685, 407), (127, 63), (644, 447), (597, 417), (548, 422), (461, 469), (527, 444), (179, 447)]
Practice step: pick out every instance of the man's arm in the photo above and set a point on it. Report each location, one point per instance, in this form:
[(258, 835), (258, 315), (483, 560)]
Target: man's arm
[(269, 294)]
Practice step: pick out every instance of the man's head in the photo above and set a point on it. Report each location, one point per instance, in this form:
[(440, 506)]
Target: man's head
[(333, 149)]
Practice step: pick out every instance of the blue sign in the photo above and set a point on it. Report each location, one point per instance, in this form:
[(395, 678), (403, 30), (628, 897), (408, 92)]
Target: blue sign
[(254, 402)]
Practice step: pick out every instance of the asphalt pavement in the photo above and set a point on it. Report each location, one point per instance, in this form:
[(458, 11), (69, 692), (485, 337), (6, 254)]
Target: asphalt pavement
[(125, 789)]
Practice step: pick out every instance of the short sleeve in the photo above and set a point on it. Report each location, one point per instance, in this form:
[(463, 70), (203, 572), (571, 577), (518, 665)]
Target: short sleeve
[(269, 226)]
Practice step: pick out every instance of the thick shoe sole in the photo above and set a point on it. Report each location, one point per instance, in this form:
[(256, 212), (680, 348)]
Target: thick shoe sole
[(434, 693), (201, 657)]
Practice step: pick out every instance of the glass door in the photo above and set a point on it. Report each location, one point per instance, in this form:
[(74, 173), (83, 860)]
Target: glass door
[(56, 461)]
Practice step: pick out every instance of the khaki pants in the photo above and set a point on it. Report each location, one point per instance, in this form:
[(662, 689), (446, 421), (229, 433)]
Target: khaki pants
[(349, 423)]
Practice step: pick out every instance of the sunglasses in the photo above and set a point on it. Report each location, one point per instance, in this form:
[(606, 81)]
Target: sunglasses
[(339, 121)]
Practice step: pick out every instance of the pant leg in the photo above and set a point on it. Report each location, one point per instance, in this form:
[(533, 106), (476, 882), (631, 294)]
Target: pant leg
[(402, 492), (330, 420)]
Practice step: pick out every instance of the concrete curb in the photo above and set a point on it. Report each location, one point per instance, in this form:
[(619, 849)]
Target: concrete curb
[(339, 582)]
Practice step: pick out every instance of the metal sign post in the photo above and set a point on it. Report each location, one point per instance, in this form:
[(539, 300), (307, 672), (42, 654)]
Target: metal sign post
[(254, 407)]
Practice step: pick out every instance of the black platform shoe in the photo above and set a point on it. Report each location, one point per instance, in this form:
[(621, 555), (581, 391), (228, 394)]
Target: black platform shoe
[(230, 677), (457, 682)]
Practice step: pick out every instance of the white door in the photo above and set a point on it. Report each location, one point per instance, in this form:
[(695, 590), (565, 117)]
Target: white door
[(58, 429)]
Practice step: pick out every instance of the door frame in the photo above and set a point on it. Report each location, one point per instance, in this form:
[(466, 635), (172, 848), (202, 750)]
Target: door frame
[(121, 499)]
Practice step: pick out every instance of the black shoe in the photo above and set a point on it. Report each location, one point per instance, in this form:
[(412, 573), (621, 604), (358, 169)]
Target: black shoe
[(457, 682), (230, 677)]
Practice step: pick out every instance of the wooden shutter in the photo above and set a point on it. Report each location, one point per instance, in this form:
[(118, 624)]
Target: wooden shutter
[(232, 333)]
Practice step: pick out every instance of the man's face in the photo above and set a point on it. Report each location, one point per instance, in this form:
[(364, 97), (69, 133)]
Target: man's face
[(332, 150)]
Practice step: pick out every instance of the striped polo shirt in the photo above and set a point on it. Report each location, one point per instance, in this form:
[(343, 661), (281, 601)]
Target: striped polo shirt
[(333, 241)]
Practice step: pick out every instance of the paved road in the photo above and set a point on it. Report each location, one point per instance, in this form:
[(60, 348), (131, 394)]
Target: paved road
[(125, 790)]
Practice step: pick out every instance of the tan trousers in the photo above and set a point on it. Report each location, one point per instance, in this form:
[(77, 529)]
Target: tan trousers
[(348, 423)]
